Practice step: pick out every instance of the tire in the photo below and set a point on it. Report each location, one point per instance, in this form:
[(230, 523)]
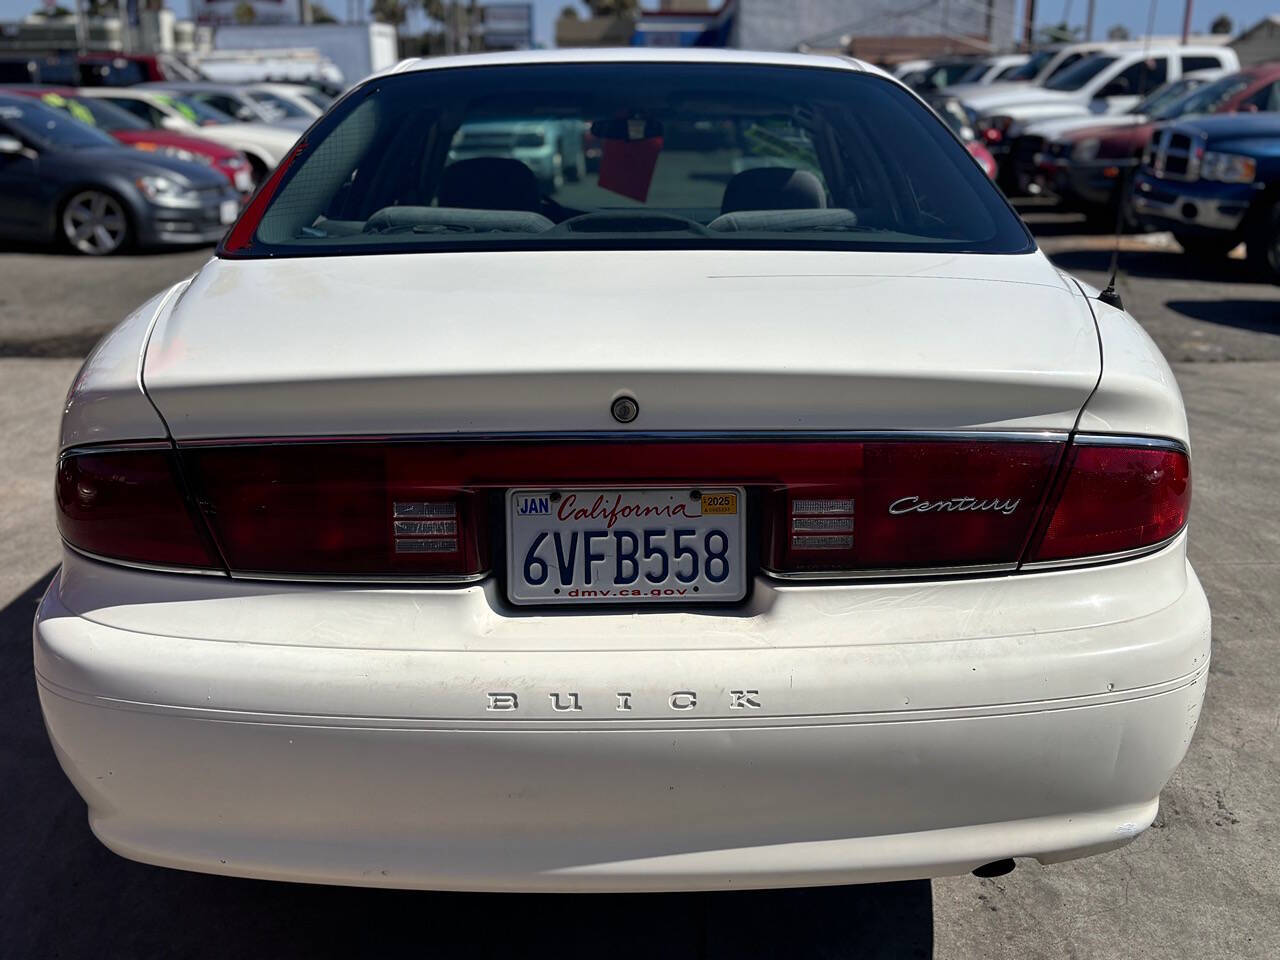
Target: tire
[(1262, 245), (1206, 247), (95, 223)]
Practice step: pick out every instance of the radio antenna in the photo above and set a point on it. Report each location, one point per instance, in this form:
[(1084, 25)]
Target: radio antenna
[(1111, 296)]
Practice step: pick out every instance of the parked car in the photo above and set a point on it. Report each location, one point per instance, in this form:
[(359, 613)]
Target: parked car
[(1089, 167), (1215, 182), (21, 68), (1101, 83), (63, 180), (293, 100), (553, 149), (115, 69), (265, 145), (772, 528), (939, 75), (133, 132), (96, 68), (995, 69), (1028, 139), (953, 113), (1044, 64), (235, 102)]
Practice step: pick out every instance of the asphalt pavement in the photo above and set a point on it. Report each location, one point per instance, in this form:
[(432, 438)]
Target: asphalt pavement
[(1202, 883)]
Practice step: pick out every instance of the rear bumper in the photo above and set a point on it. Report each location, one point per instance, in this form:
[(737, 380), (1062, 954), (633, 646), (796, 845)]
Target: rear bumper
[(873, 744)]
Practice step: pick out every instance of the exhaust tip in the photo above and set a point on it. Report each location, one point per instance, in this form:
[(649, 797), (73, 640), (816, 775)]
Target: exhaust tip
[(996, 868)]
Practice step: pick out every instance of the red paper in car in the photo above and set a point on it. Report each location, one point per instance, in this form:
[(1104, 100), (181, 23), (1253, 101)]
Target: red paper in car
[(626, 166)]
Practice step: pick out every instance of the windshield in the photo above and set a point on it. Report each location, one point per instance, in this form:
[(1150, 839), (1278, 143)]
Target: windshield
[(1077, 76), (317, 98), (96, 113), (278, 105), (1204, 99), (1171, 91), (650, 155), (33, 121), (1031, 69), (198, 113)]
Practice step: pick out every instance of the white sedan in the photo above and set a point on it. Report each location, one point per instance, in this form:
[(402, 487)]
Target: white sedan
[(762, 509)]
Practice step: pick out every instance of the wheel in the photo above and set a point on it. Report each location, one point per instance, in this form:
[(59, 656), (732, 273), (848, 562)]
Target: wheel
[(1262, 246), (1206, 247), (94, 223)]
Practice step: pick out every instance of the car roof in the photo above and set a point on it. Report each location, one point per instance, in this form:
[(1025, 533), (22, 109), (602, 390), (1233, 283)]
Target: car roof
[(635, 55), (36, 89)]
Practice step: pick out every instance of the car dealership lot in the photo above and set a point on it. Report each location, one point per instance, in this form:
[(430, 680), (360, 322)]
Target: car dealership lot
[(1202, 883)]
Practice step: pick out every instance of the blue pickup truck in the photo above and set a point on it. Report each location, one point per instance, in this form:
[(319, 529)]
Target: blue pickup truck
[(1214, 181)]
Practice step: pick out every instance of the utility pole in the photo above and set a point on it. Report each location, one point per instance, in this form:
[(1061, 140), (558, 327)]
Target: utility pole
[(1029, 26), (1088, 23), (82, 28), (1186, 23)]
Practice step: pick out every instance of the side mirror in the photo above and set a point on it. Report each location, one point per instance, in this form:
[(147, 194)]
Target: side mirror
[(245, 115), (173, 123), (11, 146)]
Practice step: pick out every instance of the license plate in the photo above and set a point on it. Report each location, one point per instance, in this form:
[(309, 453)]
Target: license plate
[(626, 545), (228, 210)]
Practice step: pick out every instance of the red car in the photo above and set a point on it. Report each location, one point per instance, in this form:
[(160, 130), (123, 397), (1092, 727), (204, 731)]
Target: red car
[(1087, 166), (129, 130)]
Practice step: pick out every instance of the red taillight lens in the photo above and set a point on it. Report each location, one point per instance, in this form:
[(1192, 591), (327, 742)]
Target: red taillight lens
[(909, 505), (1115, 499), (402, 509), (129, 505), (342, 510)]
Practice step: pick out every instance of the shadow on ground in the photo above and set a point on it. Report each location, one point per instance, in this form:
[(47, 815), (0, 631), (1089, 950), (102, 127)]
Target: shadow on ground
[(64, 895), (1158, 264), (1262, 316)]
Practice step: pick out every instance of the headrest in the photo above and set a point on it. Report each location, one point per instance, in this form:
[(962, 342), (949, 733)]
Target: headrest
[(773, 188), (489, 183)]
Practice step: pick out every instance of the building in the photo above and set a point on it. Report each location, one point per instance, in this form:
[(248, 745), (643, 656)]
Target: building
[(956, 26), (1260, 43), (875, 29)]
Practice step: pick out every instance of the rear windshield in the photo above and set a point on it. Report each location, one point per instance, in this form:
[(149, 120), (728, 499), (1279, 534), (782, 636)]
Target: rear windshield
[(634, 155)]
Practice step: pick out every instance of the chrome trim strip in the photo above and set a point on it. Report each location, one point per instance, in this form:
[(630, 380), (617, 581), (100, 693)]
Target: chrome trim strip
[(1101, 558), (1025, 436), (385, 579), (84, 449), (1124, 440), (889, 573), (149, 567)]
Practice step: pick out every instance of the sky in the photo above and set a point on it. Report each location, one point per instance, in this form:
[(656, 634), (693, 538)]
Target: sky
[(1131, 13)]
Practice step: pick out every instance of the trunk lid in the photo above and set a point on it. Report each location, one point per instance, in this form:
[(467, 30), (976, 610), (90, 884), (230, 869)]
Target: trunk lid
[(704, 340)]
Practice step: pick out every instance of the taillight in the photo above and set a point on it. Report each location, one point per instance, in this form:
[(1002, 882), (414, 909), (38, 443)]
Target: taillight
[(405, 510), (1114, 499), (240, 237), (907, 505), (129, 505), (343, 510)]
